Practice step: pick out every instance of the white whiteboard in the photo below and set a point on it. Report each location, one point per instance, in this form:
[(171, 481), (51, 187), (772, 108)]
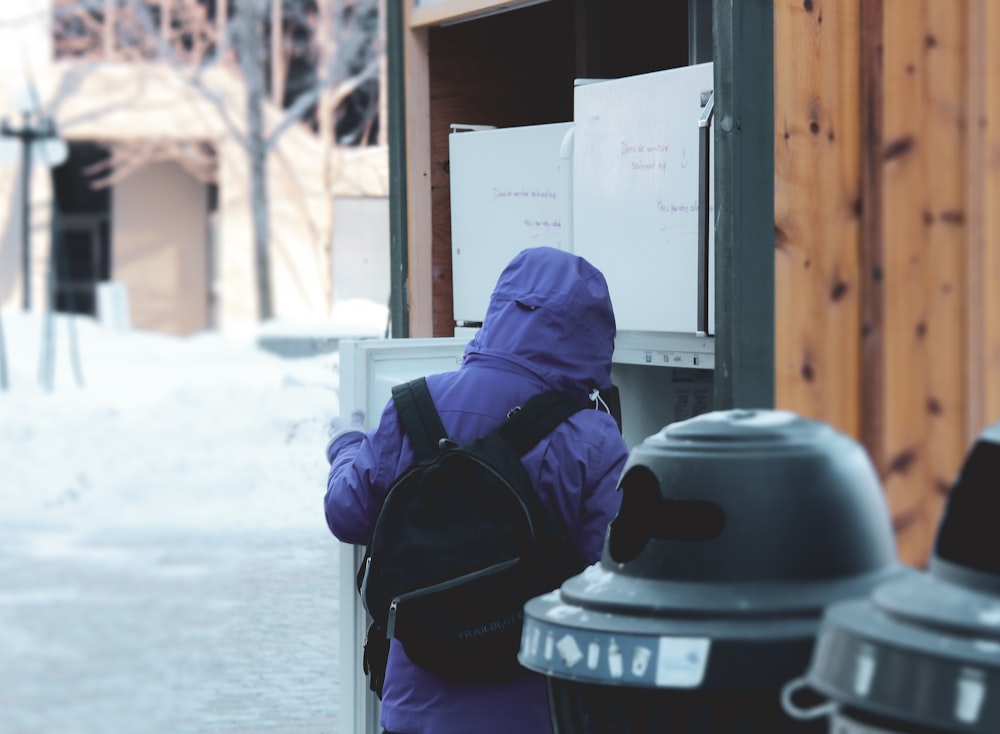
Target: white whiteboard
[(506, 195), (635, 194)]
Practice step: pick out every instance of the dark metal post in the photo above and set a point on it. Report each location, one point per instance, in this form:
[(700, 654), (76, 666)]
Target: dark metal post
[(399, 312), (744, 202), (704, 211), (25, 134)]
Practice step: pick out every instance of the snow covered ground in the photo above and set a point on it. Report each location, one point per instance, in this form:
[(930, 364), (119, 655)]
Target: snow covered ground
[(164, 562), (201, 429)]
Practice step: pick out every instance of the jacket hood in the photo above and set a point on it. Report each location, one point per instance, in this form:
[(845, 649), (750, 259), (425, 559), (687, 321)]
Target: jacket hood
[(551, 313)]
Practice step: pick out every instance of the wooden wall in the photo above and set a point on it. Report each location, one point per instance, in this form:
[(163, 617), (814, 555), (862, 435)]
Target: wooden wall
[(887, 163), (512, 69)]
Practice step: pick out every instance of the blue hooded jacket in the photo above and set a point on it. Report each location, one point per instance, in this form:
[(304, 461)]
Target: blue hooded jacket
[(549, 325)]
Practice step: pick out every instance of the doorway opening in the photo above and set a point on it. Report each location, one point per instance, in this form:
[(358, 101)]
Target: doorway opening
[(81, 231)]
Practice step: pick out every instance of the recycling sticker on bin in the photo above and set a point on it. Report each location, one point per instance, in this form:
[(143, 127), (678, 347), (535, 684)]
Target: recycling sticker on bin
[(628, 659), (681, 662)]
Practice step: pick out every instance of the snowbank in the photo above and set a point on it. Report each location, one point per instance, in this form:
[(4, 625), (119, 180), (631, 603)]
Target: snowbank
[(196, 430)]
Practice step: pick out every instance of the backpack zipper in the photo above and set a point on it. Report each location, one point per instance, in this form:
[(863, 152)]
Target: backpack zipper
[(364, 582), (390, 626)]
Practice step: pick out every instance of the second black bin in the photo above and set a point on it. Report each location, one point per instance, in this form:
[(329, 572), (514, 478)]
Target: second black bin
[(736, 529), (921, 655)]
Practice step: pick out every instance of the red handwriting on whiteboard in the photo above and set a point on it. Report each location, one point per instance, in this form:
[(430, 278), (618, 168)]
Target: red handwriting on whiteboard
[(646, 156), (628, 148), (499, 193), (679, 207)]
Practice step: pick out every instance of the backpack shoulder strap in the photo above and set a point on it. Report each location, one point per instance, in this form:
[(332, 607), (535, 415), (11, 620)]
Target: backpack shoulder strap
[(525, 427), (418, 416), (534, 420)]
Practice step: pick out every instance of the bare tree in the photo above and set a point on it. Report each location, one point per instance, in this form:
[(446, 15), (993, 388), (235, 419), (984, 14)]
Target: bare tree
[(250, 52), (316, 62)]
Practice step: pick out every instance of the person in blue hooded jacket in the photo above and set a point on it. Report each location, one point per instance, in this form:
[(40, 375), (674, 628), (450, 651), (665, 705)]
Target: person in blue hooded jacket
[(549, 326)]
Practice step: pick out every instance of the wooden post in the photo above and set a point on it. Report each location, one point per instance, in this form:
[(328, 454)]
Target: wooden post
[(817, 210), (989, 394), (983, 191), (414, 126), (924, 231), (872, 327)]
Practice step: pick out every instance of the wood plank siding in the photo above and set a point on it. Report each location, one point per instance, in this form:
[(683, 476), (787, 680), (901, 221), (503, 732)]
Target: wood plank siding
[(817, 209), (887, 178)]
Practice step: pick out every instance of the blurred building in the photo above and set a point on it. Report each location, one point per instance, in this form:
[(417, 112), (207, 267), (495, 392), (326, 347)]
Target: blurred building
[(155, 193)]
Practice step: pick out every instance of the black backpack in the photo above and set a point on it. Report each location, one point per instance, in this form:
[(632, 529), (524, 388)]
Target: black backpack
[(461, 542)]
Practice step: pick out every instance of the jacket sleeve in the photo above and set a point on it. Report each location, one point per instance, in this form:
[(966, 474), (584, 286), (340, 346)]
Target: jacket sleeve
[(601, 499), (362, 465), (578, 478)]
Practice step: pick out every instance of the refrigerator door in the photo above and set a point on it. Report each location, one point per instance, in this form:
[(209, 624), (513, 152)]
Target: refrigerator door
[(370, 367), (635, 201), (509, 191), (368, 370)]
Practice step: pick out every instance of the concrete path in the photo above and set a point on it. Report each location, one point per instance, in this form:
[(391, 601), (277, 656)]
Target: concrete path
[(171, 630)]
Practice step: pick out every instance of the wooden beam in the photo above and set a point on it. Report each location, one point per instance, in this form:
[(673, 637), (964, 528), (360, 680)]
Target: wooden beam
[(989, 394), (438, 12), (872, 406), (924, 230), (978, 212), (817, 210), (419, 278), (983, 192)]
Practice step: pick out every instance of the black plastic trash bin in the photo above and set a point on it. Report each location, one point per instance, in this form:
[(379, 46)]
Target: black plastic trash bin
[(736, 529), (921, 655)]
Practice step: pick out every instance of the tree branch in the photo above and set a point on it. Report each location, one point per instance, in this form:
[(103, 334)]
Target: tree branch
[(305, 101), (195, 80)]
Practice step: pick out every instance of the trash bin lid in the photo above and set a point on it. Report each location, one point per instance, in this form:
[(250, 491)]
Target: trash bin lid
[(750, 495), (737, 528), (747, 638), (917, 651), (925, 649)]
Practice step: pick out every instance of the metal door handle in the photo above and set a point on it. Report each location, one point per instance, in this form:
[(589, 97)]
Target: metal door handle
[(704, 182)]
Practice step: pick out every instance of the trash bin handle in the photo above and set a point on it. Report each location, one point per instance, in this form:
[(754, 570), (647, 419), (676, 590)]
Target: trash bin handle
[(791, 708)]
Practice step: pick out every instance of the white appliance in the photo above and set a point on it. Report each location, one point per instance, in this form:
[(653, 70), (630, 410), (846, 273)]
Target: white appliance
[(626, 185), (507, 179), (368, 370), (636, 195)]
